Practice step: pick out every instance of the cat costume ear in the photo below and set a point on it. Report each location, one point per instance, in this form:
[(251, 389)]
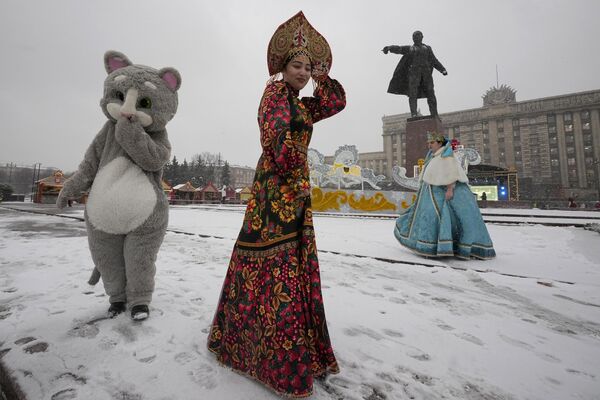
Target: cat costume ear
[(114, 60), (171, 78)]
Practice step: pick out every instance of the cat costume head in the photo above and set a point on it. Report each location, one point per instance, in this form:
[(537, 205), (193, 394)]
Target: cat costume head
[(139, 92)]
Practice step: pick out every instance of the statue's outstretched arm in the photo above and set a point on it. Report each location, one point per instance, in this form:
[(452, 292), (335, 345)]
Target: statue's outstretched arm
[(396, 49)]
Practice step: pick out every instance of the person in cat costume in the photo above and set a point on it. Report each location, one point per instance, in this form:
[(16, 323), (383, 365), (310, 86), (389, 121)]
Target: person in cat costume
[(126, 212)]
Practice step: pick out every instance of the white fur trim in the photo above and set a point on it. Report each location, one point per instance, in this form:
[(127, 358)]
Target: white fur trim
[(119, 78), (114, 109), (150, 85), (144, 118), (130, 101), (442, 171), (122, 197)]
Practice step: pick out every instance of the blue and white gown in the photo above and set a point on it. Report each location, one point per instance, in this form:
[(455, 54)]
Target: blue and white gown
[(435, 227)]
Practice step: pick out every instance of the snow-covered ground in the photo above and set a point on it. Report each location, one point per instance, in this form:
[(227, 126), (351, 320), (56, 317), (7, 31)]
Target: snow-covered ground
[(401, 329)]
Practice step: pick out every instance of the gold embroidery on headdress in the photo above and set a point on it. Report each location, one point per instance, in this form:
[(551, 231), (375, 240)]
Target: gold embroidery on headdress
[(435, 137), (298, 33)]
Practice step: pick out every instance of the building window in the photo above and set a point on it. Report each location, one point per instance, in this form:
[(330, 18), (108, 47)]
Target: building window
[(553, 140), (589, 161), (516, 132), (567, 117), (552, 129), (587, 138), (571, 162), (570, 138), (568, 127), (585, 115), (515, 122), (586, 126), (484, 125), (588, 150), (571, 150), (554, 151), (554, 162), (532, 121), (551, 118)]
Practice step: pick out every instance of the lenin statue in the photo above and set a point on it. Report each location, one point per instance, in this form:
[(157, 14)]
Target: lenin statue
[(412, 76)]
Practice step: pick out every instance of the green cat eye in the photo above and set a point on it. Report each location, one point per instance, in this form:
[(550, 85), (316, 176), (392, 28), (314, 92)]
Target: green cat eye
[(145, 102)]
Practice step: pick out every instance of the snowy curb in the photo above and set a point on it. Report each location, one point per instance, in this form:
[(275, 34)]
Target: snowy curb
[(592, 227)]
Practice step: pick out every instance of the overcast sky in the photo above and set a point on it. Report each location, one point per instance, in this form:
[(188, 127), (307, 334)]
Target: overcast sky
[(52, 72)]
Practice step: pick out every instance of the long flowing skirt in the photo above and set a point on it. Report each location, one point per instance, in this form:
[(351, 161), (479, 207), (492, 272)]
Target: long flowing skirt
[(434, 227), (270, 321)]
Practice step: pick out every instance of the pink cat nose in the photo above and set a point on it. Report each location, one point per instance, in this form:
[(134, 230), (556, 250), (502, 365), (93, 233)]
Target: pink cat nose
[(129, 116)]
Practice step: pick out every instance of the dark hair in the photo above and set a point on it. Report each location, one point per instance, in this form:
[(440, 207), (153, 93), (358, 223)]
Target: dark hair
[(443, 142)]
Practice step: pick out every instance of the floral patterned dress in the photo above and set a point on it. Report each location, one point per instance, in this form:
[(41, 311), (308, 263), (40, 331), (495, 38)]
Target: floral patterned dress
[(270, 320)]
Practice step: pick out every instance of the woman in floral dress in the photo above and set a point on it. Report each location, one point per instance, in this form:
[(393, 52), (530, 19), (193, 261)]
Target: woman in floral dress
[(270, 320)]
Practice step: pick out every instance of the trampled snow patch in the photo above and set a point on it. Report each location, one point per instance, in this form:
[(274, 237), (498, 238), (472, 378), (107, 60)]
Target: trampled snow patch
[(399, 331)]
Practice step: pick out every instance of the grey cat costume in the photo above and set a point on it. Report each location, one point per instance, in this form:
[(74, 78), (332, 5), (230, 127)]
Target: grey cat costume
[(127, 212)]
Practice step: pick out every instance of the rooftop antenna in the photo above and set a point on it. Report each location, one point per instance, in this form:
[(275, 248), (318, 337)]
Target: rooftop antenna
[(497, 84)]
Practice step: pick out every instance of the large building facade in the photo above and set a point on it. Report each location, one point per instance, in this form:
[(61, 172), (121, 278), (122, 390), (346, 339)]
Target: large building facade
[(550, 142), (240, 176)]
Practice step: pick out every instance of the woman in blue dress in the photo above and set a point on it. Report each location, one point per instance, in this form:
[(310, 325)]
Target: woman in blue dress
[(444, 220)]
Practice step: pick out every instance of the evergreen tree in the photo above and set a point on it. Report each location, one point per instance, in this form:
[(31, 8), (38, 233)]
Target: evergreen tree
[(5, 191), (209, 174), (185, 171), (171, 172), (226, 174), (198, 170)]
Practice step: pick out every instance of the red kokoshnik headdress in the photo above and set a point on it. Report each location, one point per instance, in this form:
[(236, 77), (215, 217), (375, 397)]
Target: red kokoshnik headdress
[(297, 36)]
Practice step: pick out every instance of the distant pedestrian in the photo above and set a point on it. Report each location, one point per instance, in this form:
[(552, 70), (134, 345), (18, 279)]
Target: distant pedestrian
[(572, 203), (483, 200)]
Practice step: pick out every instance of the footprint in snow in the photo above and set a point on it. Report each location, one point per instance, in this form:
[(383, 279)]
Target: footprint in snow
[(204, 375)]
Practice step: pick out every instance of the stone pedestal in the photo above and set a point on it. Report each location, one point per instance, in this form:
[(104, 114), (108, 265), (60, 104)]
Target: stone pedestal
[(416, 139)]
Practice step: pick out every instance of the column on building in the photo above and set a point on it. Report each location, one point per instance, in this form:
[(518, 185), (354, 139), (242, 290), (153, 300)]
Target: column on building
[(579, 156), (591, 137), (562, 150)]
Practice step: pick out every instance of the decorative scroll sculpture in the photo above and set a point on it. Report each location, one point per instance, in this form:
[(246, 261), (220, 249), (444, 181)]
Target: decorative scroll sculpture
[(464, 156), (344, 172)]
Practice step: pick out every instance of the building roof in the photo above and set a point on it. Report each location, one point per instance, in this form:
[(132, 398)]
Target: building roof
[(184, 187), (208, 188), (56, 179)]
